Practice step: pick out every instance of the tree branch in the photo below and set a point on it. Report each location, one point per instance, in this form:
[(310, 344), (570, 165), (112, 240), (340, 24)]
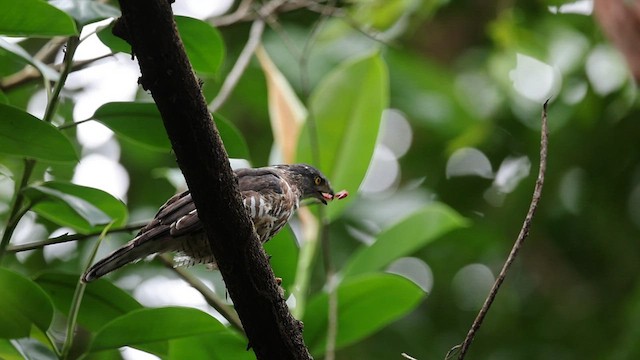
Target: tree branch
[(149, 27), (522, 236), (209, 296), (69, 237), (255, 35)]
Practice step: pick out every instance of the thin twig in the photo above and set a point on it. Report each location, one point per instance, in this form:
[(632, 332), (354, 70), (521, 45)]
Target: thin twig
[(524, 233), (244, 12), (69, 237), (255, 34), (241, 13), (211, 298), (17, 207), (76, 301), (332, 289), (52, 104), (29, 73)]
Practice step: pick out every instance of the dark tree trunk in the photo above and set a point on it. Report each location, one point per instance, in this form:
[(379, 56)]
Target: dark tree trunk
[(149, 27)]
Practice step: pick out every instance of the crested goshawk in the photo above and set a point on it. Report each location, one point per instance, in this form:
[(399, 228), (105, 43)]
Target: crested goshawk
[(270, 195)]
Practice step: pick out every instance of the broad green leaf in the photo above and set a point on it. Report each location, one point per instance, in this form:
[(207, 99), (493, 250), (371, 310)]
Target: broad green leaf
[(82, 208), (24, 135), (113, 42), (202, 42), (151, 330), (346, 109), (366, 304), (234, 142), (8, 351), (381, 14), (16, 52), (222, 346), (86, 11), (102, 301), (283, 251), (141, 123), (34, 18), (22, 304), (26, 348), (405, 237), (135, 121)]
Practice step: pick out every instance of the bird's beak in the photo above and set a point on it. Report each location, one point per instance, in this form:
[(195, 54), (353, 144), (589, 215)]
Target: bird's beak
[(325, 196)]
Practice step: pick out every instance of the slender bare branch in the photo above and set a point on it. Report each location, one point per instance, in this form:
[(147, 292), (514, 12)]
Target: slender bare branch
[(210, 297), (69, 237), (522, 236), (29, 73), (242, 13), (255, 34)]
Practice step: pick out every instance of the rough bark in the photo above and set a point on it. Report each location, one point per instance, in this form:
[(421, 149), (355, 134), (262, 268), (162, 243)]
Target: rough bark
[(149, 27)]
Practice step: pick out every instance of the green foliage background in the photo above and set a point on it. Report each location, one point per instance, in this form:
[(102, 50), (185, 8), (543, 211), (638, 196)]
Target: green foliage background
[(447, 67)]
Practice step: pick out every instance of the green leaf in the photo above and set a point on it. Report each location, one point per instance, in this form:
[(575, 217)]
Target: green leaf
[(113, 42), (34, 18), (17, 53), (202, 42), (151, 330), (234, 142), (222, 346), (8, 351), (365, 304), (346, 108), (102, 301), (137, 122), (141, 124), (22, 134), (86, 11), (27, 348), (405, 237), (22, 304), (82, 208), (284, 251), (381, 14)]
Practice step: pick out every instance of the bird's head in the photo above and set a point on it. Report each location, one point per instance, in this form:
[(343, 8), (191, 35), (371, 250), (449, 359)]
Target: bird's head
[(310, 181)]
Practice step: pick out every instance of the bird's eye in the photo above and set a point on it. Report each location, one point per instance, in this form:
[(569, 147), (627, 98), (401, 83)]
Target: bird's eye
[(317, 180)]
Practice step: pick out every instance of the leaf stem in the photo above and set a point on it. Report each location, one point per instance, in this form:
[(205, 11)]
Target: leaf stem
[(77, 299), (308, 251), (17, 208), (72, 45)]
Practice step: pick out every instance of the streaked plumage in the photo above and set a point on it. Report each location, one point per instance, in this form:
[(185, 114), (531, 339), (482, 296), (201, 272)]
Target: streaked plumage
[(270, 196)]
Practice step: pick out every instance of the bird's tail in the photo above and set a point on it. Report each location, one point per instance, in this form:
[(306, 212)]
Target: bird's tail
[(133, 251)]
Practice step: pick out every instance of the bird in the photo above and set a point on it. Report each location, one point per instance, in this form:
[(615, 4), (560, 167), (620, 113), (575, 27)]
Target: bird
[(270, 196)]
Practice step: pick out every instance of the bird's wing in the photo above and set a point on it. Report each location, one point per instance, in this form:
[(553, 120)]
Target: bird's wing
[(268, 199), (178, 216), (260, 189)]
